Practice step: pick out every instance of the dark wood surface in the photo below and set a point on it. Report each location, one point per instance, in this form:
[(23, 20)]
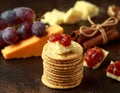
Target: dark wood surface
[(24, 75)]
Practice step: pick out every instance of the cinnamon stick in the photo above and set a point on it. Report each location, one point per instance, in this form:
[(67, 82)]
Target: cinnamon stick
[(80, 38), (98, 40)]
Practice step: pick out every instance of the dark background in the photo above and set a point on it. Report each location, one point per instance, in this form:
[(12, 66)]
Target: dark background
[(24, 75)]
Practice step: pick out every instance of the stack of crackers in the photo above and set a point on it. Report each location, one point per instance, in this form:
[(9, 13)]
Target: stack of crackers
[(62, 71)]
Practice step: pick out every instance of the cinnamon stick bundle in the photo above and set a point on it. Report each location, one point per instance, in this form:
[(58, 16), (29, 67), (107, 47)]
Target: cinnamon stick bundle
[(111, 33), (80, 38)]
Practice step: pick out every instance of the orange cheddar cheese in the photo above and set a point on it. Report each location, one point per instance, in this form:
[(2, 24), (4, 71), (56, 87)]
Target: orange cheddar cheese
[(30, 47)]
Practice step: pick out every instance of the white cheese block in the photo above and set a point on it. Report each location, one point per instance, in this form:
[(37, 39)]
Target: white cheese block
[(72, 16), (80, 11), (86, 8), (53, 17)]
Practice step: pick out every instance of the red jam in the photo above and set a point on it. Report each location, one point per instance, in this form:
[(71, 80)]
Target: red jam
[(114, 68), (63, 39), (93, 56)]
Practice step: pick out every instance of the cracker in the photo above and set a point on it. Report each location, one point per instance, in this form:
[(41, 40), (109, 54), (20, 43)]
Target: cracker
[(62, 63), (63, 82), (62, 72), (64, 68), (58, 86), (63, 57), (64, 77)]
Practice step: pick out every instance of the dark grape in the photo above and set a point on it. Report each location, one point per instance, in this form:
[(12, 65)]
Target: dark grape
[(25, 14), (10, 35), (24, 30), (2, 43), (3, 24), (38, 28), (9, 16)]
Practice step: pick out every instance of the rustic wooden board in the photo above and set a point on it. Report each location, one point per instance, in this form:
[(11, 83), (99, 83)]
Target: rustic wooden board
[(24, 75)]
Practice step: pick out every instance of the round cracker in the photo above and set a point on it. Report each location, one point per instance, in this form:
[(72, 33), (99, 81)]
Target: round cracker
[(63, 63), (58, 86), (47, 51), (64, 68), (64, 77), (69, 81), (62, 72)]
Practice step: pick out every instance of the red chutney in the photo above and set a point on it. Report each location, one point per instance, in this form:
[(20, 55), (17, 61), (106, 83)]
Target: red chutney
[(114, 68), (63, 39), (93, 56)]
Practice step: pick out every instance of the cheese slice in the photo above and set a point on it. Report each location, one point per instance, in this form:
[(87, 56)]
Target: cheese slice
[(113, 76), (98, 64), (29, 47), (108, 74)]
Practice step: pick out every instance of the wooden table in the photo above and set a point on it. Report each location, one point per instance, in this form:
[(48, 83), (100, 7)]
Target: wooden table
[(24, 75)]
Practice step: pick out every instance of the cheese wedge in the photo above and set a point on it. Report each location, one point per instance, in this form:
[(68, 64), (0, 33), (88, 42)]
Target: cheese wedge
[(29, 47)]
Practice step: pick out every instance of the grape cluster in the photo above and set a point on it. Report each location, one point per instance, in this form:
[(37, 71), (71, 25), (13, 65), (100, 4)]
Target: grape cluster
[(18, 24)]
